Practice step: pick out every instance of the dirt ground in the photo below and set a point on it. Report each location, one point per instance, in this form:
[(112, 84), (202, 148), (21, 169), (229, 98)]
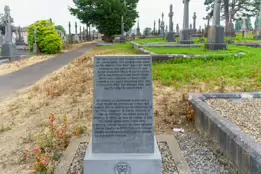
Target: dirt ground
[(17, 65), (69, 91)]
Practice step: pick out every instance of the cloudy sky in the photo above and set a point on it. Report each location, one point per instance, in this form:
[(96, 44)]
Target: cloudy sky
[(26, 12)]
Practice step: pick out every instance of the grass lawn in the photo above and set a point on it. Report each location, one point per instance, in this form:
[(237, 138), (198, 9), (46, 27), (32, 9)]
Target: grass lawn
[(152, 41), (194, 51)]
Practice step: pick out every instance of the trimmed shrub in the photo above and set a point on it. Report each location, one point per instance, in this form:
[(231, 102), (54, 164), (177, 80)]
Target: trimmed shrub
[(47, 38)]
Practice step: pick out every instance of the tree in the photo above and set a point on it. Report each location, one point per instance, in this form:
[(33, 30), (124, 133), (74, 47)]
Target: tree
[(147, 31), (106, 15), (248, 23), (256, 22), (60, 28), (47, 38), (238, 8)]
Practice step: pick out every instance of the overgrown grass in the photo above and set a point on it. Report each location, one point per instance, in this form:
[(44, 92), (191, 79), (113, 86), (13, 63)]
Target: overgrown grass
[(152, 40), (235, 73)]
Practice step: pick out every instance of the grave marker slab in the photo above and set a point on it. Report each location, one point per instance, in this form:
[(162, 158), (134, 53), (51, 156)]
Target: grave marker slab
[(171, 34), (123, 118)]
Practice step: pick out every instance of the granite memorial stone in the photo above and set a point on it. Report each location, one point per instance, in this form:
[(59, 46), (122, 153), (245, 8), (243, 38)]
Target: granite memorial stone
[(171, 34), (216, 31), (185, 33), (159, 27), (122, 38), (162, 27), (123, 140), (154, 28), (35, 46)]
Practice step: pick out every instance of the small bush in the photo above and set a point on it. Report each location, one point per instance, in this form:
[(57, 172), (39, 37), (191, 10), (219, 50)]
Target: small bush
[(47, 38)]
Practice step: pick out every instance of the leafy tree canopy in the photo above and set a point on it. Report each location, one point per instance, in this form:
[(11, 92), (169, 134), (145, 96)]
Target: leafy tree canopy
[(239, 8), (106, 14), (147, 31), (61, 28)]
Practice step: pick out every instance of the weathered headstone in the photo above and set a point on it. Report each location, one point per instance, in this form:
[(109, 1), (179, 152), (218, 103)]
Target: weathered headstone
[(258, 32), (185, 34), (244, 28), (162, 27), (123, 140), (216, 31), (159, 27), (190, 26), (9, 50), (208, 17), (1, 39), (194, 23), (138, 34), (122, 38), (154, 28), (80, 35), (35, 46), (70, 34), (177, 28), (19, 39), (230, 32), (171, 33)]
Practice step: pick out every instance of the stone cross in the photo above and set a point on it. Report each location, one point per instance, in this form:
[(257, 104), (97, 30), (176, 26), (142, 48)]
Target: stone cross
[(70, 33), (83, 36), (171, 18), (186, 14), (8, 28), (162, 26), (159, 28), (154, 28), (190, 26), (80, 33), (35, 33), (208, 19), (177, 28), (194, 20), (216, 15), (76, 28), (122, 26)]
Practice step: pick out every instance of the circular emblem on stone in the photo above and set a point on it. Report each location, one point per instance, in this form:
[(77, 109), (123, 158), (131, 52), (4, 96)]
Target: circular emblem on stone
[(122, 168)]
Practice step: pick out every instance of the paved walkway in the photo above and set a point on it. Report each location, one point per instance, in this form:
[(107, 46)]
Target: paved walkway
[(10, 84)]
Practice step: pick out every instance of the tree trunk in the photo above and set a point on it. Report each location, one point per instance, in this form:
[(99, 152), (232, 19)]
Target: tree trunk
[(108, 38), (226, 11)]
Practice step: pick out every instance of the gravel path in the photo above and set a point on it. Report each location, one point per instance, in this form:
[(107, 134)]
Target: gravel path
[(168, 165), (246, 114), (203, 156)]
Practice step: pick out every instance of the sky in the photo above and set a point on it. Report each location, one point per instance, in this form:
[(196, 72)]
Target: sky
[(26, 12)]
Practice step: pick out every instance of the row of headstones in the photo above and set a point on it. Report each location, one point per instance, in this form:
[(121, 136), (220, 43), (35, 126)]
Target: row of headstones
[(83, 35)]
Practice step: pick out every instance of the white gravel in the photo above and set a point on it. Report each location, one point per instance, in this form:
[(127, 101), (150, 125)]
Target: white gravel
[(246, 114), (168, 164), (203, 156)]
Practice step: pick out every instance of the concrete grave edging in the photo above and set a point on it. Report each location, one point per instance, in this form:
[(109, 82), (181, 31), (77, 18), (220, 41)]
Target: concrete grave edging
[(68, 155), (243, 151), (167, 57)]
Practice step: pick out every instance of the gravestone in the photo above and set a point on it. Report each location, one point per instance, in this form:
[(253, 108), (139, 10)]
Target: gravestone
[(194, 22), (159, 28), (154, 28), (185, 33), (258, 32), (9, 50), (35, 46), (162, 27), (171, 34), (122, 38), (138, 34), (208, 17), (216, 31), (1, 39), (19, 39), (244, 28), (70, 34), (80, 35), (76, 36), (177, 28), (230, 32), (123, 140)]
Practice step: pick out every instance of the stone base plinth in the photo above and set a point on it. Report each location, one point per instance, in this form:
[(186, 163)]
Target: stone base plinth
[(122, 39), (171, 37), (257, 37), (216, 46), (122, 163), (36, 49), (185, 36), (9, 51)]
